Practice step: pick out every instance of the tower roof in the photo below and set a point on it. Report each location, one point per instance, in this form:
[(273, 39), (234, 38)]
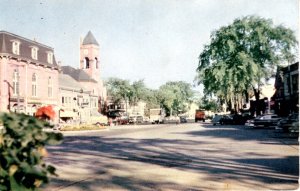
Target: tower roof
[(90, 39)]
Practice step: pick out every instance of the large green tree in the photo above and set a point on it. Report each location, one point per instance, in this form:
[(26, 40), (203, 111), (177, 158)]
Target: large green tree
[(175, 97), (242, 55), (119, 89), (138, 92)]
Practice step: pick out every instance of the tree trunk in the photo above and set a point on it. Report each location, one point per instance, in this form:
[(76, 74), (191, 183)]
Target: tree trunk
[(257, 107)]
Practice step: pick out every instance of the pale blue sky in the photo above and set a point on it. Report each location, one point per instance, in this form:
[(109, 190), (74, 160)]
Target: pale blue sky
[(154, 40)]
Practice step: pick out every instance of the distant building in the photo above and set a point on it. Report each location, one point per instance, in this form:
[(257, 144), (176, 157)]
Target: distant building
[(28, 74), (82, 92), (286, 97)]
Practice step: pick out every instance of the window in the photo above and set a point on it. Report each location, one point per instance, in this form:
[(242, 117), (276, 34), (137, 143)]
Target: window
[(87, 62), (50, 57), (62, 100), (295, 84), (50, 88), (16, 83), (96, 61), (16, 47), (34, 53), (34, 85)]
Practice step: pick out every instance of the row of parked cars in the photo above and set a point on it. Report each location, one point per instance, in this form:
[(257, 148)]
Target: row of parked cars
[(288, 124)]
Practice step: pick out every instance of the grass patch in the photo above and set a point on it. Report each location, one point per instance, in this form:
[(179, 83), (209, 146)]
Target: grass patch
[(82, 127)]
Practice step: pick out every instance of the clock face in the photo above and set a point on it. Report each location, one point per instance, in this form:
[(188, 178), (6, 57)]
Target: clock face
[(85, 51)]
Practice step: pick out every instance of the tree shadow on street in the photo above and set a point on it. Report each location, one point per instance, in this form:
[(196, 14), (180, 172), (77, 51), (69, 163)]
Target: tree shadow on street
[(112, 163)]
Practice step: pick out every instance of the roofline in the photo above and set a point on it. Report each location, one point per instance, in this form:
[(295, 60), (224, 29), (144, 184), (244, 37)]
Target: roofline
[(31, 61), (27, 39)]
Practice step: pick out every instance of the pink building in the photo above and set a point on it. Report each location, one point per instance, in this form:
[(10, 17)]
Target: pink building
[(28, 74)]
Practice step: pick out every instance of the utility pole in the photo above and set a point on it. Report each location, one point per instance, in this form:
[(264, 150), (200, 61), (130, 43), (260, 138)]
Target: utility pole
[(18, 90)]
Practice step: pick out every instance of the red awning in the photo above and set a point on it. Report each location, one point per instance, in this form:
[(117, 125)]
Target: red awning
[(45, 112)]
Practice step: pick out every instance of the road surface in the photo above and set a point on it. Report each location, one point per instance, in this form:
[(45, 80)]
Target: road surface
[(191, 156)]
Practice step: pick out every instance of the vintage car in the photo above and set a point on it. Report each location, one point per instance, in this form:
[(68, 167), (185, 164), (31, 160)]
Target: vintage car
[(268, 120), (289, 123)]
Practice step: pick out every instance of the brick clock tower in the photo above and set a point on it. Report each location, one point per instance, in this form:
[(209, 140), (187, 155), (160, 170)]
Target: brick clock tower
[(89, 56)]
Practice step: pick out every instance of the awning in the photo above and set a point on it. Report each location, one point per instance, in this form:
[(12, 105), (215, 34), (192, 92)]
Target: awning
[(68, 114)]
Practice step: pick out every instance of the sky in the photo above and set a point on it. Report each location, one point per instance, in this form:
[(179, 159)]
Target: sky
[(154, 40)]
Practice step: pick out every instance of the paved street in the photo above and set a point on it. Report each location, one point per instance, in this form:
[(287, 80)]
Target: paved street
[(193, 156)]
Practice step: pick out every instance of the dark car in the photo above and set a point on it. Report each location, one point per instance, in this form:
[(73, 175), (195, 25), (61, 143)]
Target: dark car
[(289, 123), (222, 119), (269, 120), (216, 119), (234, 119), (183, 119), (226, 120)]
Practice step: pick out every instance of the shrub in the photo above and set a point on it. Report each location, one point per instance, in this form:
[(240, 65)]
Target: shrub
[(22, 149)]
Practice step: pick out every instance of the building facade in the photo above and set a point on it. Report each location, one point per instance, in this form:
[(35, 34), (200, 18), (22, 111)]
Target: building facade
[(286, 97), (31, 78), (28, 74)]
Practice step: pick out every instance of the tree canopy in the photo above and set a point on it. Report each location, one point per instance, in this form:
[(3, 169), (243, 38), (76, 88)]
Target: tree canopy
[(174, 97), (118, 89), (242, 55)]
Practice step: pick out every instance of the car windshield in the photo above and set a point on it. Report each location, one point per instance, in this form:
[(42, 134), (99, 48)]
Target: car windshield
[(294, 116), (259, 117)]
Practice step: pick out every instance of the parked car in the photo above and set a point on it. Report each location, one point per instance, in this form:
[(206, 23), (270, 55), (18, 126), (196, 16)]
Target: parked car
[(123, 120), (249, 123), (216, 119), (139, 119), (289, 123), (268, 120), (132, 119), (183, 119), (226, 120), (294, 127), (136, 119), (234, 119), (146, 120)]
